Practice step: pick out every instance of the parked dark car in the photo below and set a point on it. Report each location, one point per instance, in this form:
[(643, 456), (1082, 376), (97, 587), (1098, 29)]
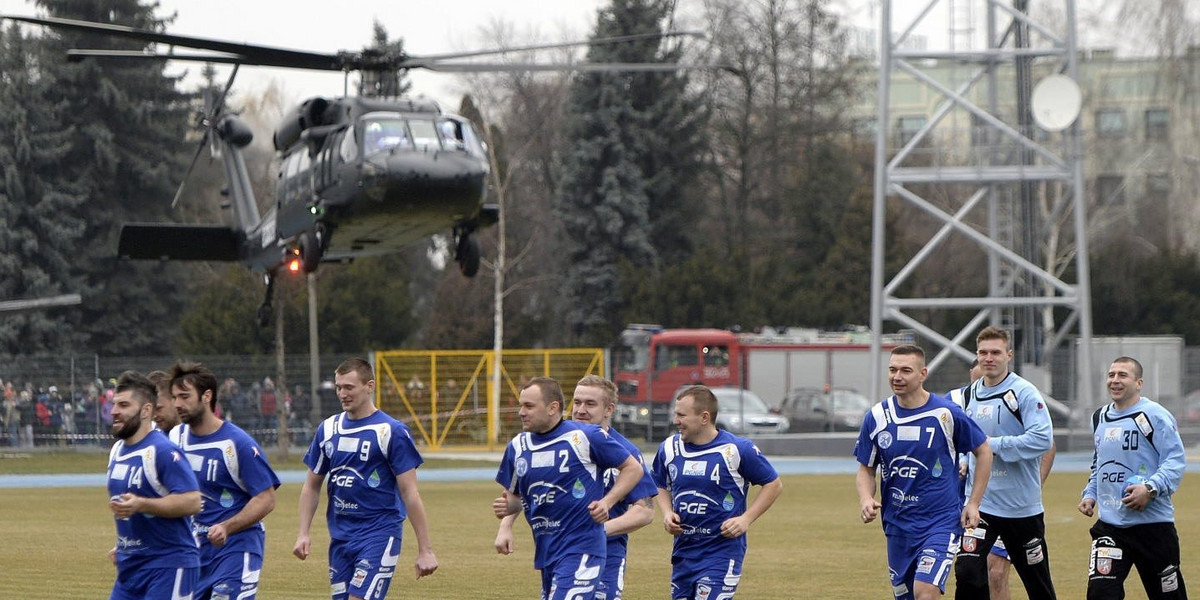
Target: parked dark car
[(814, 409)]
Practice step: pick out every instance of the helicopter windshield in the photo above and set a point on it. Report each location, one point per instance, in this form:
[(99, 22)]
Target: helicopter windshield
[(387, 132)]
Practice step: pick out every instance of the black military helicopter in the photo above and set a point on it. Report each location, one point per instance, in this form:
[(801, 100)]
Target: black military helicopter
[(359, 176)]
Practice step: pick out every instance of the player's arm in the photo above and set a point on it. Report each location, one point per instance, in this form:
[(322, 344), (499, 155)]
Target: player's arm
[(256, 509), (671, 520), (1048, 461), (630, 472), (739, 525), (638, 515), (309, 498), (171, 506), (979, 481), (864, 482), (504, 535), (426, 561), (508, 503)]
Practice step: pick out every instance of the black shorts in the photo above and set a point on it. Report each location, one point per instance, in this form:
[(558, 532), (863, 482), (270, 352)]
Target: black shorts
[(1153, 548)]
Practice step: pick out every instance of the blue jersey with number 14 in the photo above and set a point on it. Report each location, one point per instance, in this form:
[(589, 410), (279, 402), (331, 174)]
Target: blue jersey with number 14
[(152, 468)]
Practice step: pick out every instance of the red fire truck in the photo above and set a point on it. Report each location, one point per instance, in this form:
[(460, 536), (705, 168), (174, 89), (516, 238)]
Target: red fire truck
[(650, 363)]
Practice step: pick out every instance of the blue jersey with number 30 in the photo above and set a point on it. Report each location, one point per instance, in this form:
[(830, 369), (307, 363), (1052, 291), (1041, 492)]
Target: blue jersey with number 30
[(362, 458), (708, 484), (152, 468)]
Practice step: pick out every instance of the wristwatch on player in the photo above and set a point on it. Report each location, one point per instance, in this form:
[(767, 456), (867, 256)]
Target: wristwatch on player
[(1150, 490)]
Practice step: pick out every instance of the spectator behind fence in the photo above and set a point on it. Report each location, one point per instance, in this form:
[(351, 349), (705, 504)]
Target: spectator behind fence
[(12, 417)]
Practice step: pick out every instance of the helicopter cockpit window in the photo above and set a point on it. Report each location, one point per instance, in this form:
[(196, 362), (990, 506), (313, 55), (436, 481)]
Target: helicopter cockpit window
[(384, 134), (452, 135), (424, 134), (348, 151)]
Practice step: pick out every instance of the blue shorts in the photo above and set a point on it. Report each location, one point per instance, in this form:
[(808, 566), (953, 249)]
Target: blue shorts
[(155, 584), (573, 577), (999, 550), (927, 559), (362, 567), (230, 576), (612, 582), (705, 580)]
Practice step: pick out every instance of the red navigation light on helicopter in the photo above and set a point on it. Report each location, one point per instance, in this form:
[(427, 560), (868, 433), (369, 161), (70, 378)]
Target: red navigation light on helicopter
[(294, 263)]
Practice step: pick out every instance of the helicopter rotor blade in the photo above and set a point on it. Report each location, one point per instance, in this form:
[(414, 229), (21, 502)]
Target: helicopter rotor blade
[(580, 67), (77, 54), (251, 54), (535, 47), (210, 120)]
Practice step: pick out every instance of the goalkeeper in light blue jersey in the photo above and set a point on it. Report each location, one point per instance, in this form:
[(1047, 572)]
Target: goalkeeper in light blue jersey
[(1137, 467)]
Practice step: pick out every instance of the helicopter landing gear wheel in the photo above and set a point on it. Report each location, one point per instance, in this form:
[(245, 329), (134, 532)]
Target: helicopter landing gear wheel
[(310, 251), (467, 255)]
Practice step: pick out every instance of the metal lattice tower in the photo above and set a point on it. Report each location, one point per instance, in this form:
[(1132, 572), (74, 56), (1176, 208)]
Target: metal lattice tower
[(1009, 189)]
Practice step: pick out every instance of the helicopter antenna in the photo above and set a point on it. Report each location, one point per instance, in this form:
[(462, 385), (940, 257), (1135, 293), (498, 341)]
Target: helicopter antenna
[(208, 121)]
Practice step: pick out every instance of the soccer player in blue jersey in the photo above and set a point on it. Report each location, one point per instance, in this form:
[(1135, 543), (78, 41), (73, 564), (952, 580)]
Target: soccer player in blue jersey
[(914, 438), (236, 481), (555, 472), (166, 418), (371, 461), (1137, 467), (704, 476), (1013, 414), (153, 495), (594, 401)]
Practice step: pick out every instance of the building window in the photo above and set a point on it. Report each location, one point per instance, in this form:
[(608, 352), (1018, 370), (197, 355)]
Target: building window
[(1157, 123), (1158, 187), (1110, 190), (909, 126), (864, 128), (1110, 123)]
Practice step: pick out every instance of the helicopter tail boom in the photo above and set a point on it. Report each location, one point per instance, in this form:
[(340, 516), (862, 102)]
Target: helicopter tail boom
[(167, 241)]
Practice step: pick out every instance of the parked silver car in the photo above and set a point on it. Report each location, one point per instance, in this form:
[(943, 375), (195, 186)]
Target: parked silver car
[(813, 409), (743, 412)]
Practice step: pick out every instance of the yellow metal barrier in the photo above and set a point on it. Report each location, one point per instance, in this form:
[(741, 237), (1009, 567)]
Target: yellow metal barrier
[(445, 396)]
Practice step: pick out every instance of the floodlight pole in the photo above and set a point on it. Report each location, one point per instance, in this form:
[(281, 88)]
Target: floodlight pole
[(280, 381), (314, 355)]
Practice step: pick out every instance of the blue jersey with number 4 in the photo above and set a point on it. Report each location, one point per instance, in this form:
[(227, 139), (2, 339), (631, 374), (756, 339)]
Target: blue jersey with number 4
[(152, 468), (231, 469), (708, 484), (558, 474), (362, 458)]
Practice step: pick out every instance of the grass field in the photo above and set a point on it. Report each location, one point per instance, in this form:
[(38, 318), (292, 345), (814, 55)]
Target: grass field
[(810, 545)]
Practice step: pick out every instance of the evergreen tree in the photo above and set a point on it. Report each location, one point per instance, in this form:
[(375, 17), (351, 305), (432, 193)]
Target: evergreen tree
[(38, 200), (127, 124), (616, 175)]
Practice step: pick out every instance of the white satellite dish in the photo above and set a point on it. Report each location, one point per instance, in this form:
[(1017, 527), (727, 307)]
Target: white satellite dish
[(1056, 102)]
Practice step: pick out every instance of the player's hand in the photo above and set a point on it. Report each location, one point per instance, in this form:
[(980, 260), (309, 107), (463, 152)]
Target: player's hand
[(500, 506), (672, 524), (962, 469), (1136, 497), (735, 527), (970, 515), (302, 547), (1087, 506), (504, 541), (112, 555), (599, 510), (426, 563), (217, 535), (125, 505), (868, 509)]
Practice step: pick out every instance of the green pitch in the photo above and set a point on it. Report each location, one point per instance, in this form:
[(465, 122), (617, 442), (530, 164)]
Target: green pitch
[(811, 544)]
